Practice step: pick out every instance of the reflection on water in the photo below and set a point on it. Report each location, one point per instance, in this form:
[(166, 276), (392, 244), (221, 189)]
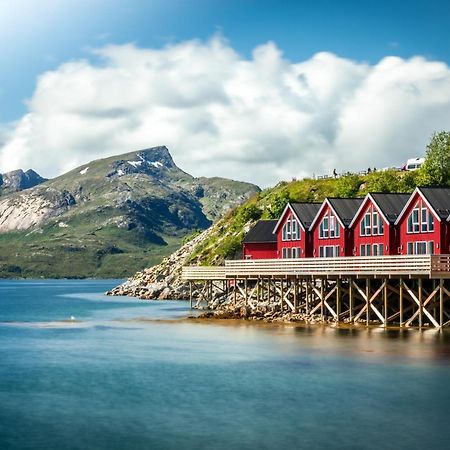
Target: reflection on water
[(124, 373)]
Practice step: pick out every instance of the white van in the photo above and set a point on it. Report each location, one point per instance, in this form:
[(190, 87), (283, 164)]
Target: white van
[(413, 163)]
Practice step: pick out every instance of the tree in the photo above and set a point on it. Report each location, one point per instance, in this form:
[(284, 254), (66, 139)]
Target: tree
[(436, 168), (382, 181), (347, 186)]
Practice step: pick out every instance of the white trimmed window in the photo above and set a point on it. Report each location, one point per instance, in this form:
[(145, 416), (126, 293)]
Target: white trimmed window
[(420, 220), (420, 248), (291, 230), (329, 227), (329, 251), (371, 224)]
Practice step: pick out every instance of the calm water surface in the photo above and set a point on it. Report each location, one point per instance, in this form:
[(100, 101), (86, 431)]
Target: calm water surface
[(121, 376)]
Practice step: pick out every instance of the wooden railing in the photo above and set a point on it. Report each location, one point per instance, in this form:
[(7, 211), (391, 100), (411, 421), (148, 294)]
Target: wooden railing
[(433, 266), (440, 265), (204, 273)]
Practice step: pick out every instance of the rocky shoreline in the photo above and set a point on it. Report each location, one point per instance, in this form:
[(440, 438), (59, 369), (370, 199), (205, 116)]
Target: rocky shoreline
[(163, 281)]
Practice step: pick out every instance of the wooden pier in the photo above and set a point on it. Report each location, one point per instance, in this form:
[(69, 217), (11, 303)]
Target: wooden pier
[(404, 291)]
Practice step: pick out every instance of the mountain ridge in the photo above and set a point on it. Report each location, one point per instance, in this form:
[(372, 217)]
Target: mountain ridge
[(120, 205)]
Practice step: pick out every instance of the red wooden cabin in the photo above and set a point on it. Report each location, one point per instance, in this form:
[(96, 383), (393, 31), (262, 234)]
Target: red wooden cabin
[(374, 232), (331, 235), (292, 230), (260, 242), (423, 223)]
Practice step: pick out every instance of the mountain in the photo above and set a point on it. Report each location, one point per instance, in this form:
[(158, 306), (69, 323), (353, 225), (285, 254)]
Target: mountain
[(110, 217), (18, 180)]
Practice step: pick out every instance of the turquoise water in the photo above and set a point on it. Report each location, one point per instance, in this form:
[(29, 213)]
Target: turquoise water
[(120, 376)]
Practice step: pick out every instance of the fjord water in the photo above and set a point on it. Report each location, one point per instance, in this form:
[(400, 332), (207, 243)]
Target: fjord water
[(129, 374)]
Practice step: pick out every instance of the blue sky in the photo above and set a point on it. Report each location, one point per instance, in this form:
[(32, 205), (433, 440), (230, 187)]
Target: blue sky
[(38, 35), (288, 88)]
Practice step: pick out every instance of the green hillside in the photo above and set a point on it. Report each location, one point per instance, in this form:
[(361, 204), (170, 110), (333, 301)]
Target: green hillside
[(226, 241)]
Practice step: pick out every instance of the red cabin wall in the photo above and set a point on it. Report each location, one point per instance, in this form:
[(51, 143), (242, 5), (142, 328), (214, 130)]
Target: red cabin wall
[(301, 243), (438, 236), (262, 250), (345, 240), (389, 238)]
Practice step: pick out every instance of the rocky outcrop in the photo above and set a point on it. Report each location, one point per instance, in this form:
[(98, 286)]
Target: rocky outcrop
[(22, 212), (18, 180), (163, 281)]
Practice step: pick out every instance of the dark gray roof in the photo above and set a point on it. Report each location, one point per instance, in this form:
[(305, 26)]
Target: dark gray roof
[(346, 208), (262, 231), (306, 212), (439, 199), (391, 205)]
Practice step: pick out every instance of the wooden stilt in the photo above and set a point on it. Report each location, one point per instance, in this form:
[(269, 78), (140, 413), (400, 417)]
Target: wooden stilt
[(338, 298), (307, 295), (441, 303), (281, 294), (190, 294), (351, 300), (295, 295), (419, 287), (245, 292), (401, 301), (322, 281), (367, 301), (385, 302)]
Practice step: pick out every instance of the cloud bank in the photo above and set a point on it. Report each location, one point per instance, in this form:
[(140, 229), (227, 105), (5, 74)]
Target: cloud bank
[(261, 119)]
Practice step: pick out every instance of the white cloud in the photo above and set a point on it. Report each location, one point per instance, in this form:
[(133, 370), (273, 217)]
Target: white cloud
[(260, 119)]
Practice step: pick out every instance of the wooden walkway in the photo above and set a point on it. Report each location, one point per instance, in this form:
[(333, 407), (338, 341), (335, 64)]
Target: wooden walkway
[(411, 266), (411, 290)]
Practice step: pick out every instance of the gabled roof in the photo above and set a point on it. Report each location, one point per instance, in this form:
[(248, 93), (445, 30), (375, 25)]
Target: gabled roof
[(261, 232), (304, 212), (390, 205), (437, 199), (344, 208)]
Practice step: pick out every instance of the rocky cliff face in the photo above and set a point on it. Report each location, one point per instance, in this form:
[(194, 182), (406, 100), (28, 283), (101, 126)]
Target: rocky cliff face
[(18, 180)]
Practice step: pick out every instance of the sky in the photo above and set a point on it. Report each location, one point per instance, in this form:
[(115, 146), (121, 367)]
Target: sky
[(260, 91)]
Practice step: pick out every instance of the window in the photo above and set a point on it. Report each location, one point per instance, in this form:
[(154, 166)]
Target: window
[(323, 232), (375, 250), (367, 227), (424, 215), (329, 251), (380, 249), (329, 227), (294, 230), (374, 222), (368, 250), (362, 250), (371, 224), (415, 220), (430, 222), (421, 248), (420, 220)]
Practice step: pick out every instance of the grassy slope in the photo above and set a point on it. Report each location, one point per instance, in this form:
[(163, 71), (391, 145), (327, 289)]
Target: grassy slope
[(226, 241)]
